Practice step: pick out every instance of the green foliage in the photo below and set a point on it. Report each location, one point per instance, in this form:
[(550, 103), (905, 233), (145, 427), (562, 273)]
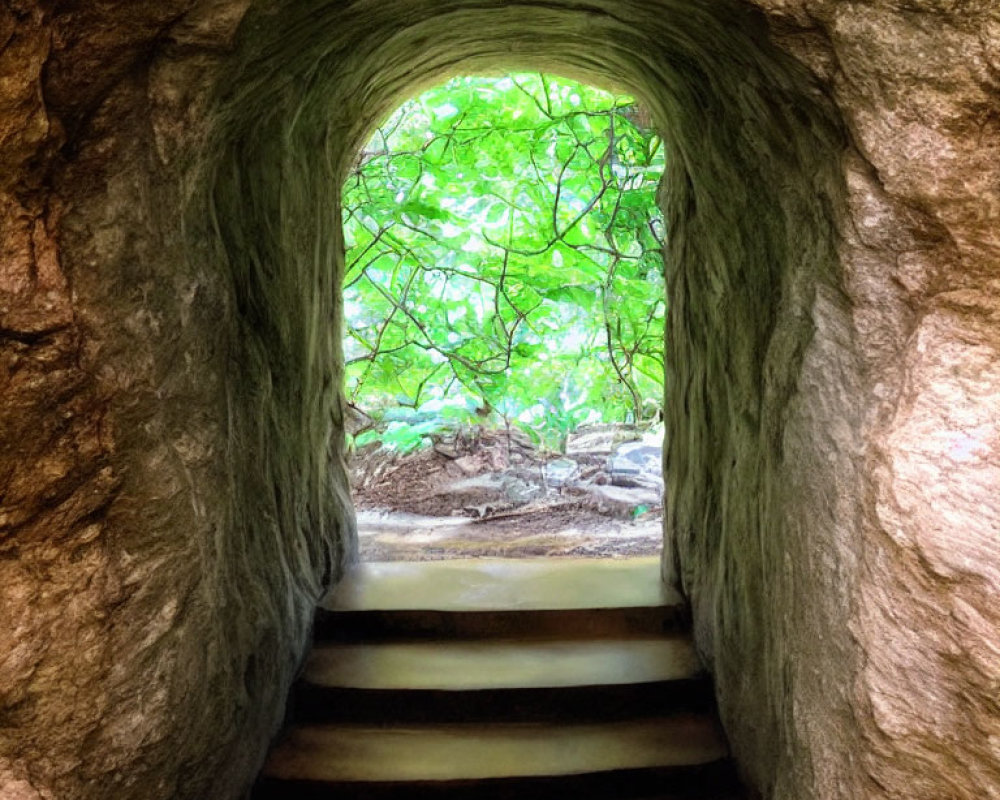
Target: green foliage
[(504, 255)]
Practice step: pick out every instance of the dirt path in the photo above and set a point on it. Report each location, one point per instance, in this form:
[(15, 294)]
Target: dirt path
[(484, 493), (398, 536)]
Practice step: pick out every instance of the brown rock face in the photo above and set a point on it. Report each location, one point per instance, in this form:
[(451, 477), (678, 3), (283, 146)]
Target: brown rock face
[(149, 620), (172, 495)]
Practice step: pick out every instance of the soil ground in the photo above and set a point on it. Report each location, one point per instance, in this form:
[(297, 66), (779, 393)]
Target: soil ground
[(483, 492)]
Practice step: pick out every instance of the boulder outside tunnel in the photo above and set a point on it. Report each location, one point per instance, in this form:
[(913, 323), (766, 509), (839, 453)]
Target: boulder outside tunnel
[(172, 491)]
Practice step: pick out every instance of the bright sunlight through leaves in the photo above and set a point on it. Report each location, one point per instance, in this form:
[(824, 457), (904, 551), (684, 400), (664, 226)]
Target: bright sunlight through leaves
[(504, 260)]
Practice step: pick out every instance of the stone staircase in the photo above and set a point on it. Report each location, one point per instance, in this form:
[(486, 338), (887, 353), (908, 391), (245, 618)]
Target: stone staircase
[(492, 678)]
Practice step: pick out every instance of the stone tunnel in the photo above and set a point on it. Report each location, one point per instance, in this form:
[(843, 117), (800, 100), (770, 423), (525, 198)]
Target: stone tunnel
[(173, 498)]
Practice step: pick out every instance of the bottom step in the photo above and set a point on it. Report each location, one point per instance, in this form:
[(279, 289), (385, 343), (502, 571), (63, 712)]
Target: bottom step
[(681, 756), (704, 782)]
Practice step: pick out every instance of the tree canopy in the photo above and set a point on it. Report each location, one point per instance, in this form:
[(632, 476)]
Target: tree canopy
[(504, 257)]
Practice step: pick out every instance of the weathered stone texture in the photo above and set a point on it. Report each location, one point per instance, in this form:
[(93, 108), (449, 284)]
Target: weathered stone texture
[(147, 637), (918, 88), (172, 497)]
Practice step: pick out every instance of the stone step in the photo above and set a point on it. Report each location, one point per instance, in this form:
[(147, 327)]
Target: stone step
[(501, 680), (501, 598), (681, 756), (491, 679)]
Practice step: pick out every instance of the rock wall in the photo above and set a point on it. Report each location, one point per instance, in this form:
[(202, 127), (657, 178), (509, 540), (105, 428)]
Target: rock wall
[(902, 553), (172, 497), (152, 613)]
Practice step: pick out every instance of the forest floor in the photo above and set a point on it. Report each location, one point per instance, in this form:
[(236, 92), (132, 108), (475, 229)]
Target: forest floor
[(481, 492)]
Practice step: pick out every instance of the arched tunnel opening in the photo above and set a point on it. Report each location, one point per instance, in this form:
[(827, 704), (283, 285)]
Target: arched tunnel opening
[(749, 196), (504, 305), (173, 491)]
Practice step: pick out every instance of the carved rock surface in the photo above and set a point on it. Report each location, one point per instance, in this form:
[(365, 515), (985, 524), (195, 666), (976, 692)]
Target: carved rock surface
[(172, 492), (150, 621)]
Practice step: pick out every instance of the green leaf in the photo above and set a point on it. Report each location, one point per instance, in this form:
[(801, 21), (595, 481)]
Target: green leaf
[(417, 208), (578, 295), (519, 322)]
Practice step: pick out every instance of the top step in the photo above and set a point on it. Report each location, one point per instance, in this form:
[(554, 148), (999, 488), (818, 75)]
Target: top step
[(501, 597)]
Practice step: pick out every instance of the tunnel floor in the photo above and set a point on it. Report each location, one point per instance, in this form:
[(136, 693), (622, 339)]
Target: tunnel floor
[(497, 678)]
